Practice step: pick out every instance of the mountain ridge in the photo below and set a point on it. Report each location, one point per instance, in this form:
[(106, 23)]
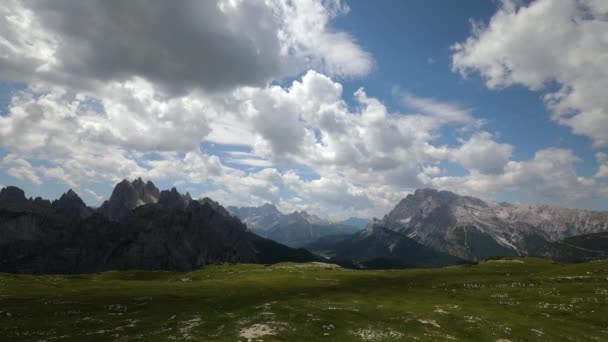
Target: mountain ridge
[(174, 233), (450, 223), (295, 229)]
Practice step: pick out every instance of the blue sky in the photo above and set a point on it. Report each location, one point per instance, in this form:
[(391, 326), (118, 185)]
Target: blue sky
[(405, 35), (340, 108)]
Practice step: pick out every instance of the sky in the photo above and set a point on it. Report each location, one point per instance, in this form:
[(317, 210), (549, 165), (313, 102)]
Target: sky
[(340, 108)]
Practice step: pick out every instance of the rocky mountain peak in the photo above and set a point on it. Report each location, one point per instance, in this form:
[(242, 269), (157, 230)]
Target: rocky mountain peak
[(434, 196), (12, 194), (172, 199), (138, 183), (310, 218), (70, 194), (41, 202), (126, 196), (270, 208), (72, 205)]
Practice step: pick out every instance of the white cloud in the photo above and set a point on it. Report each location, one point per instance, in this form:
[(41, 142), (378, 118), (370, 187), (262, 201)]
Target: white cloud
[(335, 159), (250, 162), (306, 30), (551, 174), (481, 153), (441, 112), (431, 170), (20, 168), (562, 42), (602, 161), (98, 198)]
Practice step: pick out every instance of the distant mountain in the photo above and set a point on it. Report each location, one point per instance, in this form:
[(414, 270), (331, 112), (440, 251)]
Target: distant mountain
[(257, 218), (295, 229), (472, 229), (356, 222), (379, 247), (175, 233)]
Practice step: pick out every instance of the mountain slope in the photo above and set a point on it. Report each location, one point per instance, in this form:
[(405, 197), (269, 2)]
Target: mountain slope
[(578, 248), (379, 247)]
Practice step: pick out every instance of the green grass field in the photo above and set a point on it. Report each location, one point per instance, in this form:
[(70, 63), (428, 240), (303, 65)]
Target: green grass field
[(522, 299)]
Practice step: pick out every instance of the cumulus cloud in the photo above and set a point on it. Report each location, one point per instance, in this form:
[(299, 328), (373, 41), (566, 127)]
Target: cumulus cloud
[(213, 45), (97, 197), (481, 153), (441, 112), (602, 161), (309, 123), (543, 43), (20, 168), (334, 158), (551, 174)]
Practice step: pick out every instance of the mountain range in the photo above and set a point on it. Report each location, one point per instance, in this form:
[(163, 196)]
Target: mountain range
[(139, 227), (295, 229), (471, 229)]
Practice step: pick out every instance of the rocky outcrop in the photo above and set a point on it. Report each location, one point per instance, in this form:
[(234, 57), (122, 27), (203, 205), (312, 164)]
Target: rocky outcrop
[(146, 192), (71, 205), (12, 195), (171, 199), (13, 198), (127, 196)]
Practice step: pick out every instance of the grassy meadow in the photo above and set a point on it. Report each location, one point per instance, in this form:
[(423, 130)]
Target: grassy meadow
[(517, 299)]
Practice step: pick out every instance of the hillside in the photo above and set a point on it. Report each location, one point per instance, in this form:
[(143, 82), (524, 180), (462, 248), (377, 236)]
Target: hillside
[(578, 248), (379, 248), (520, 299)]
